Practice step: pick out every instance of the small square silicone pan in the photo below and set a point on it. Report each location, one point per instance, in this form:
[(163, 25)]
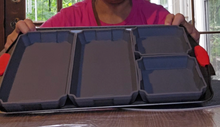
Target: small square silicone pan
[(171, 78), (156, 40)]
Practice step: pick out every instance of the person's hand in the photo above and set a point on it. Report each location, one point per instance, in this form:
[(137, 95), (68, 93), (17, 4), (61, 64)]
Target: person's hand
[(179, 19), (22, 26)]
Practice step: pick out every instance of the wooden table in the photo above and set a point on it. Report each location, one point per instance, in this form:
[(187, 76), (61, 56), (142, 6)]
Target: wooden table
[(194, 118)]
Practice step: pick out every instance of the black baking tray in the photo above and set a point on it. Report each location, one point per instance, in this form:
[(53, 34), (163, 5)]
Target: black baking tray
[(100, 66)]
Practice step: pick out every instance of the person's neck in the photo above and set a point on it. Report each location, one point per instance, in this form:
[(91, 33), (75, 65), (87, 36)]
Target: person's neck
[(113, 13)]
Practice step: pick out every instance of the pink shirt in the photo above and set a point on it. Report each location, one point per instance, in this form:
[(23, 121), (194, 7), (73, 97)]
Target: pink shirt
[(81, 14)]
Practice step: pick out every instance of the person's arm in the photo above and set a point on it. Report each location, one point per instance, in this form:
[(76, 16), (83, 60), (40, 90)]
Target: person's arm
[(179, 19), (22, 26), (27, 25), (164, 17), (61, 19)]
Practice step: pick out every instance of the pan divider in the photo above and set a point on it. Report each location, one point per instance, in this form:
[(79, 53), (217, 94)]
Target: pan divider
[(70, 99)]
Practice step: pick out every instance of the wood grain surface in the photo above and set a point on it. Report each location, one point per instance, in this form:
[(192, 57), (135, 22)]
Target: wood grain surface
[(197, 118)]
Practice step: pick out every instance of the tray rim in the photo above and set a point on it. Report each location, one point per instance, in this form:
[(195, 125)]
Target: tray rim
[(72, 29)]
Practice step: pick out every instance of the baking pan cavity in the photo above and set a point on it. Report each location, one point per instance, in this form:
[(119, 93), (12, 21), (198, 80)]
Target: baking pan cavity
[(171, 78)]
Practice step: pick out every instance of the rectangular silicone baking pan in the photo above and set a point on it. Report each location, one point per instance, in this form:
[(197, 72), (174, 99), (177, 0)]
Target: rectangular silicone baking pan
[(37, 73), (104, 69)]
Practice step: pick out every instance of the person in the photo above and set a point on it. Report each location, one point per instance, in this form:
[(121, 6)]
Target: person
[(107, 13)]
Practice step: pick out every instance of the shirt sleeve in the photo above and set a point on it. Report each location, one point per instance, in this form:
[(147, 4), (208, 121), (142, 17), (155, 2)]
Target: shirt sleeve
[(161, 15)]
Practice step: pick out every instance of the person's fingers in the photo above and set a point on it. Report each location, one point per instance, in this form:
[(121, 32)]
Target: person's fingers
[(30, 24), (20, 27), (179, 19), (23, 26), (195, 34), (169, 19)]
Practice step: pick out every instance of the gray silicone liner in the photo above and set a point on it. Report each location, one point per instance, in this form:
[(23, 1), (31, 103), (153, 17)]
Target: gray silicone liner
[(36, 77), (98, 68), (171, 78), (104, 70), (158, 40)]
